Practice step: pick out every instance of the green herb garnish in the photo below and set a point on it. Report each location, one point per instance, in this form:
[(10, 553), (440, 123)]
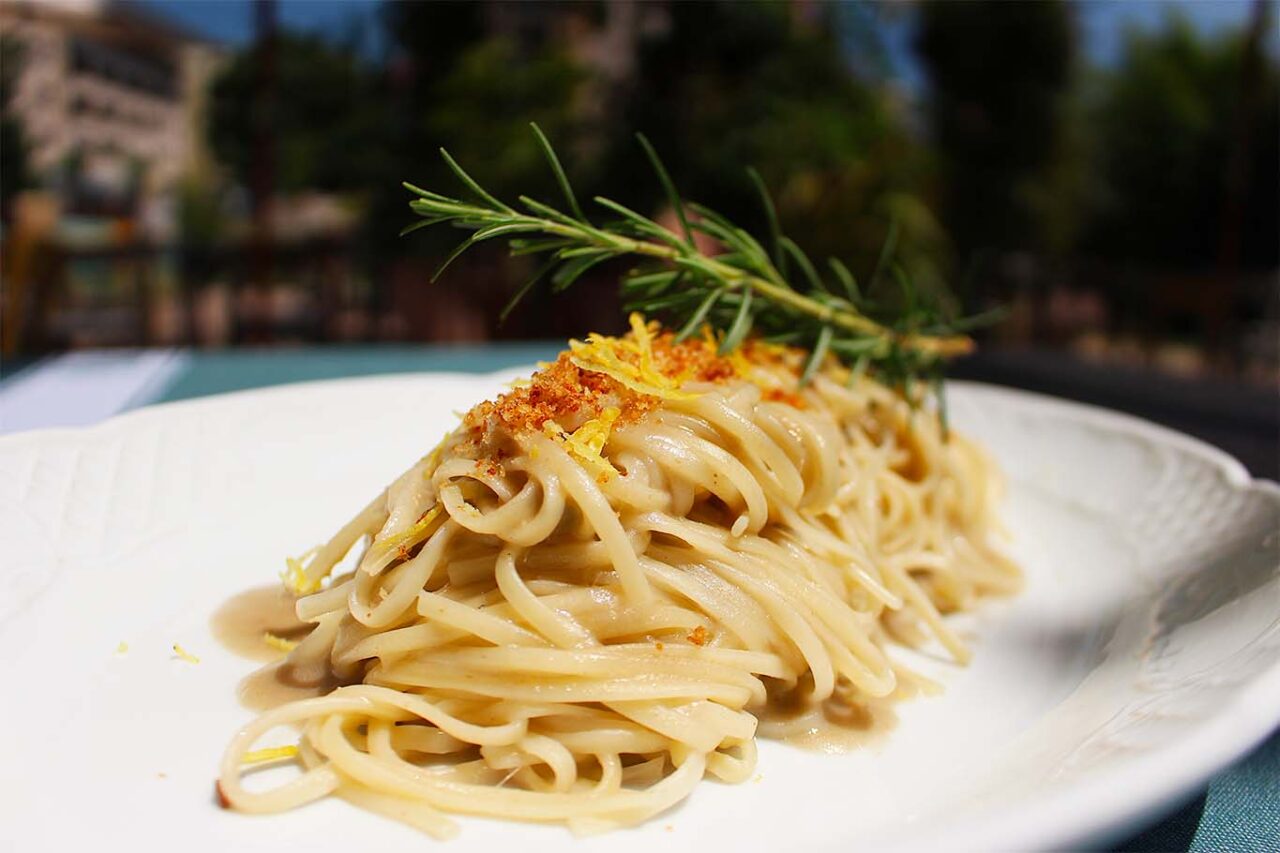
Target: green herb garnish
[(776, 293)]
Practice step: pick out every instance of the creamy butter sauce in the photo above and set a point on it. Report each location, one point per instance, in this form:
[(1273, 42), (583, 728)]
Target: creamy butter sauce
[(277, 683), (241, 623), (831, 727)]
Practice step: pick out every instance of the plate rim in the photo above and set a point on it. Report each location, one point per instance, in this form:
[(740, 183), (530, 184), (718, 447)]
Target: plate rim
[(1114, 798)]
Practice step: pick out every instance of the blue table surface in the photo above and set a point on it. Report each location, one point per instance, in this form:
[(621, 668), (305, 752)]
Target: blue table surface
[(237, 370), (1238, 810)]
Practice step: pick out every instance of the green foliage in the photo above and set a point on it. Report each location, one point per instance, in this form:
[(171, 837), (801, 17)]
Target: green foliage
[(1000, 76), (1166, 119), (450, 85), (17, 176), (732, 83), (200, 218), (488, 100), (322, 117)]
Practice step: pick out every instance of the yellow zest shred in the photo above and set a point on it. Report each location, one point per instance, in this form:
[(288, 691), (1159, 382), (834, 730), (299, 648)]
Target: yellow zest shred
[(589, 439), (275, 753), (411, 536), (601, 354), (185, 655), (277, 642), (122, 647), (641, 342), (586, 443), (741, 364), (295, 575), (433, 458)]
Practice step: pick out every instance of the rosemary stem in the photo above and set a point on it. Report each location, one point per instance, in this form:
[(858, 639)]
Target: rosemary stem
[(735, 279)]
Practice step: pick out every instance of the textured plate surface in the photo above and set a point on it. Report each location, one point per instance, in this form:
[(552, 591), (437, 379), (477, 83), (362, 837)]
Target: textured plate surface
[(1143, 656)]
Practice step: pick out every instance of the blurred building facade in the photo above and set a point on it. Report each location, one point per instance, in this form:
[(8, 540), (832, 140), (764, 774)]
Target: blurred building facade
[(111, 100), (110, 103)]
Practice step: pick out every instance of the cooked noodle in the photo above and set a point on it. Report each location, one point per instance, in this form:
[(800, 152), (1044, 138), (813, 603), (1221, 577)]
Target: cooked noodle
[(576, 620)]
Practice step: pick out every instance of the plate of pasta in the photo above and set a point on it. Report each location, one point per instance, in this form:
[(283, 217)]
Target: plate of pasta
[(610, 609), (754, 579)]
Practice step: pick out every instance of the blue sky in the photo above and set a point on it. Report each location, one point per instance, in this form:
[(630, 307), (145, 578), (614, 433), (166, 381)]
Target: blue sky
[(1102, 22), (231, 21)]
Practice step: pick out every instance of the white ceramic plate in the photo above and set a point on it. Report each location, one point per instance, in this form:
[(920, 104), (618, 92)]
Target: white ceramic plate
[(1143, 656)]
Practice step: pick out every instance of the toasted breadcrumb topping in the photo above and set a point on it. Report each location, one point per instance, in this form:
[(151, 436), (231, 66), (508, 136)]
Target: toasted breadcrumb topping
[(605, 381), (633, 373)]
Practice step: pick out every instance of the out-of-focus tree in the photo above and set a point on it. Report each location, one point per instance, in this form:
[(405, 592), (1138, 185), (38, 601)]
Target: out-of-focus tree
[(201, 219), (342, 121), (450, 84), (468, 77), (999, 76), (728, 85), (1169, 121), (16, 175), (484, 106), (325, 119)]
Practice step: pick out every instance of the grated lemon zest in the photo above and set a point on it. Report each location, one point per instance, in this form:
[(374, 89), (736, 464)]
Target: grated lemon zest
[(295, 575), (122, 647), (184, 654), (410, 536), (432, 459), (279, 642), (741, 365), (258, 756), (586, 443), (737, 360), (589, 439), (778, 350), (642, 338), (602, 354)]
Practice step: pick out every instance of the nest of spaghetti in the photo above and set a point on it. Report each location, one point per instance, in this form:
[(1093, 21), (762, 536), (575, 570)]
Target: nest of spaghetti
[(604, 585)]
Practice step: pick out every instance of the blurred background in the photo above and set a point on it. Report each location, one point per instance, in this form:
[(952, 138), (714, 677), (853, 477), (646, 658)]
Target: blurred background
[(219, 174)]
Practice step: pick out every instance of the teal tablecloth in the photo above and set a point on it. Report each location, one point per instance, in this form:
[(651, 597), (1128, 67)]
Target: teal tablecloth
[(236, 370), (1239, 810)]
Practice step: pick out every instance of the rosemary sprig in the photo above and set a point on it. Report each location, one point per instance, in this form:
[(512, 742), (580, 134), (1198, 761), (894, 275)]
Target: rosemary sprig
[(745, 289)]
